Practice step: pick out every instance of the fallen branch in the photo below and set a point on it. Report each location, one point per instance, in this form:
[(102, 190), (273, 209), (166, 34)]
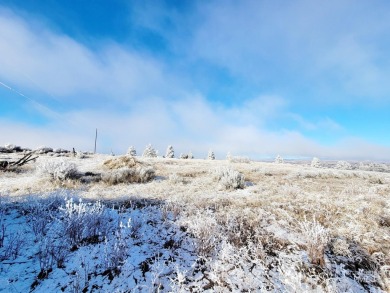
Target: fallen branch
[(27, 158), (4, 165)]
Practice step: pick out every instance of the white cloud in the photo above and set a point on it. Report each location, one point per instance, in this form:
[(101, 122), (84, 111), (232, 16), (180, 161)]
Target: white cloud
[(336, 46), (322, 124), (181, 124), (32, 56), (153, 105)]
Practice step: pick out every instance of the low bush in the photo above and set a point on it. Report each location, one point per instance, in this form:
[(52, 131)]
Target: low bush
[(183, 156), (58, 169), (343, 165), (229, 178), (210, 155), (129, 175), (176, 179), (316, 238), (238, 159), (279, 160), (120, 162), (84, 222)]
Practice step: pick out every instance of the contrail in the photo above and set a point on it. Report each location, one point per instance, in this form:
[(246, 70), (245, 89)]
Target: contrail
[(38, 86), (31, 100), (19, 93)]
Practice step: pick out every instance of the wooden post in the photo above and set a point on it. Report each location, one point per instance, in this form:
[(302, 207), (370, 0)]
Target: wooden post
[(95, 141)]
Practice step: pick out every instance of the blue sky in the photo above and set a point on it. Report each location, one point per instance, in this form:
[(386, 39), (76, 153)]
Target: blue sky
[(256, 78)]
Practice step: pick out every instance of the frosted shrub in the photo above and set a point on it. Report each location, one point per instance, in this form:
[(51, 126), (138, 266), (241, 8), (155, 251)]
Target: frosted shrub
[(12, 245), (80, 155), (115, 252), (170, 153), (9, 146), (229, 156), (315, 163), (149, 152), (145, 174), (131, 151), (38, 218), (279, 160), (174, 178), (364, 167), (294, 280), (316, 238), (343, 165), (240, 271), (237, 159), (240, 159), (84, 221), (205, 228), (45, 258), (58, 169), (190, 155), (187, 156), (229, 178), (210, 155), (43, 150), (178, 283), (341, 247), (373, 167), (129, 175)]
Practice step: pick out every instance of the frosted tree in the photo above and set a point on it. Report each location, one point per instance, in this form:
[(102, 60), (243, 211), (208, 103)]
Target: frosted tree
[(229, 156), (149, 152), (210, 155), (279, 160), (170, 153), (183, 156), (343, 165), (315, 163), (131, 151), (190, 155)]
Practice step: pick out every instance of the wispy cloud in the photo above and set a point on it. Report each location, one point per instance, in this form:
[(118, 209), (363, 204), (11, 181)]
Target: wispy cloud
[(66, 68), (337, 46), (134, 97)]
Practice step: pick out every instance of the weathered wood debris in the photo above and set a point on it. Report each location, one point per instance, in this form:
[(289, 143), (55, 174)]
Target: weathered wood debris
[(8, 164)]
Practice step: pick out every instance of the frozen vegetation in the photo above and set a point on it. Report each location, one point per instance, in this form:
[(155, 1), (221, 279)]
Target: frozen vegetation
[(150, 224)]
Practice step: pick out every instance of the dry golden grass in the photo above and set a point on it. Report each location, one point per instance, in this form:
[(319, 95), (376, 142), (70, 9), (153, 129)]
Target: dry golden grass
[(352, 205), (120, 162)]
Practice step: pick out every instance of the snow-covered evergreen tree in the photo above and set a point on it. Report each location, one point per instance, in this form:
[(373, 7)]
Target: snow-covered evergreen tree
[(315, 163), (131, 151), (279, 159), (190, 155), (210, 155), (149, 152), (170, 153)]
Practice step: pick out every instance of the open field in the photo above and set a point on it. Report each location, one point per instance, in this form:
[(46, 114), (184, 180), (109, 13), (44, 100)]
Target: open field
[(175, 225)]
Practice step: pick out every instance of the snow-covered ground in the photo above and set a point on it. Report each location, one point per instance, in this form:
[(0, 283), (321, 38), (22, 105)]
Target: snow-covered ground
[(289, 228)]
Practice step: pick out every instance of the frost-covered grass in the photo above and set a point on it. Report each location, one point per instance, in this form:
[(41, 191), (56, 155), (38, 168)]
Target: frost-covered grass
[(292, 228)]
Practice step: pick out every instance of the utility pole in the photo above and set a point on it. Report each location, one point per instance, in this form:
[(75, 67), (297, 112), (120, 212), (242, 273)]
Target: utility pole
[(95, 141)]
